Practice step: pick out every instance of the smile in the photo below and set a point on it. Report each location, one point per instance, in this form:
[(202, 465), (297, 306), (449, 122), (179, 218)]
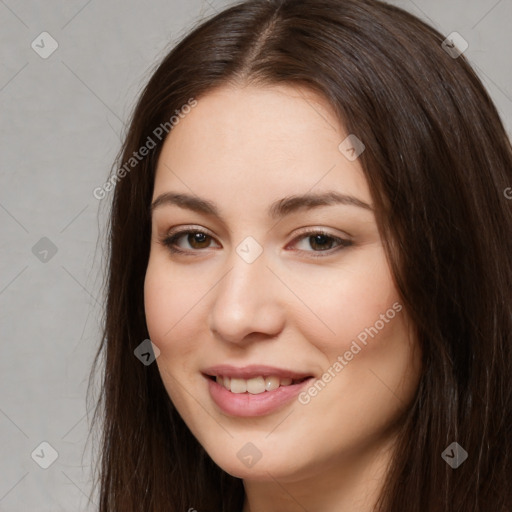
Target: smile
[(255, 390), (255, 385)]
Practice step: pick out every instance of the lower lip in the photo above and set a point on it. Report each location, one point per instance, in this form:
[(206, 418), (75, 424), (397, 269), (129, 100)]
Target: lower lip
[(249, 405)]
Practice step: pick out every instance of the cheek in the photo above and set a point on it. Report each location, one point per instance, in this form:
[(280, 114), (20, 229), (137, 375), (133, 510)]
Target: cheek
[(166, 297), (156, 302), (165, 303), (166, 308), (172, 304), (359, 302)]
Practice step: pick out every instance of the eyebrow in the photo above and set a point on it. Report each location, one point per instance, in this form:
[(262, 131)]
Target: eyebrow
[(277, 210)]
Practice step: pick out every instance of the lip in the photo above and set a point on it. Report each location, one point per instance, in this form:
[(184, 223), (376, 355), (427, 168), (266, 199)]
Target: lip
[(249, 405), (253, 370)]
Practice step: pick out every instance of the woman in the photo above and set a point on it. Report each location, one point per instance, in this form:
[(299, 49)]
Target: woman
[(310, 224)]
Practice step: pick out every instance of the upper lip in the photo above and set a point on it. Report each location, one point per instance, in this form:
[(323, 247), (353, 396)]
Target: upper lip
[(253, 370)]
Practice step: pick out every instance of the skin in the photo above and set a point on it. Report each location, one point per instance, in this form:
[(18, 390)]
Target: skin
[(244, 148)]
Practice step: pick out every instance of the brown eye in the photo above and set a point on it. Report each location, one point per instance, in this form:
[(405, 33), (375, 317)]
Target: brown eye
[(196, 240), (321, 241)]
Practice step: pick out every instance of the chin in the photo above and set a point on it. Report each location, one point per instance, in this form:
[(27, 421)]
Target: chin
[(251, 463)]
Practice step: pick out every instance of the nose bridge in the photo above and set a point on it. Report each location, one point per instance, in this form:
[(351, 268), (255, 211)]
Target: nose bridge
[(246, 300)]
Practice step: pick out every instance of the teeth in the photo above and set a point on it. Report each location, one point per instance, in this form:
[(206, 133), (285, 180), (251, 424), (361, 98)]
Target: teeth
[(238, 385), (224, 381), (271, 383), (254, 386)]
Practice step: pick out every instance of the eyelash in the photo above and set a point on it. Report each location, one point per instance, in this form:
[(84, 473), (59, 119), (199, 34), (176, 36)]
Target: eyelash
[(170, 239)]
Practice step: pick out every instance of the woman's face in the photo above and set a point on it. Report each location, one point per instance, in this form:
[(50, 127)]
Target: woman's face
[(276, 280)]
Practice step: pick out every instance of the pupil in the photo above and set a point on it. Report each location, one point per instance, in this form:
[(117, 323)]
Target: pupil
[(320, 239), (198, 238)]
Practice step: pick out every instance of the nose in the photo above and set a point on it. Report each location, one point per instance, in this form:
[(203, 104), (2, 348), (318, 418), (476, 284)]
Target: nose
[(248, 302)]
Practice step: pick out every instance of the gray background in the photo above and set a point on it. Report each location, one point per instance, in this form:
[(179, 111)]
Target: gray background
[(61, 122)]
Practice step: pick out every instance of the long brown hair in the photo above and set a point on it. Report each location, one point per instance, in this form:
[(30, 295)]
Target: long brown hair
[(438, 162)]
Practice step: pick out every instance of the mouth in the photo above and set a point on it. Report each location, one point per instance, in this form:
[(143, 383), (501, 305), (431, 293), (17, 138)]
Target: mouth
[(255, 385), (255, 390)]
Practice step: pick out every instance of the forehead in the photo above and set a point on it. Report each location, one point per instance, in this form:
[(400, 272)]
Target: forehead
[(258, 142)]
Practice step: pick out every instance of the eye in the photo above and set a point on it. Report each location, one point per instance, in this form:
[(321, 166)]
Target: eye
[(197, 240), (321, 241)]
